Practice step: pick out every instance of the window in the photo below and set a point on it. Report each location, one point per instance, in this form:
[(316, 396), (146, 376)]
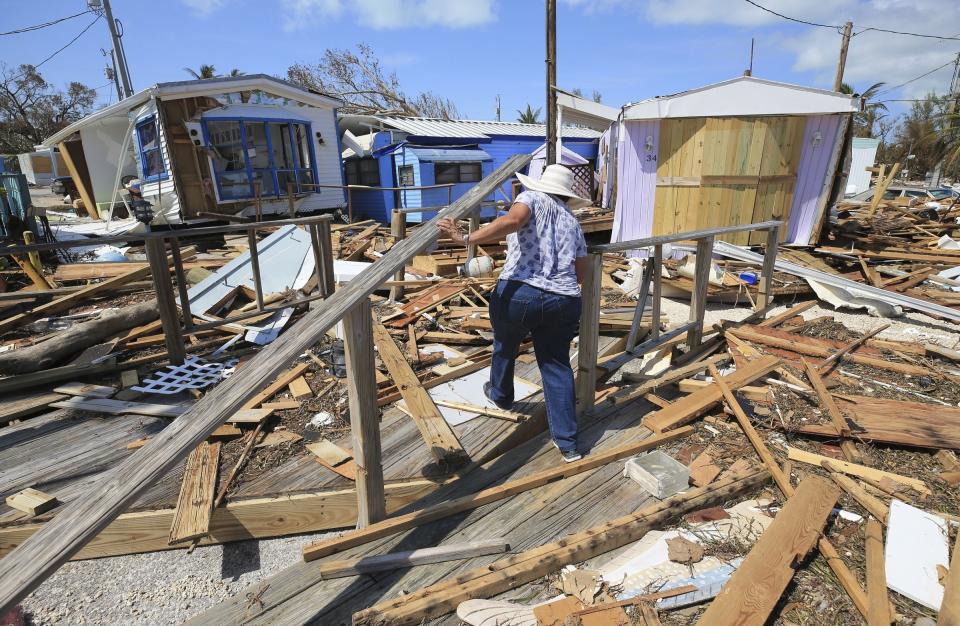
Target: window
[(151, 157), (363, 171), (406, 176), (265, 155), (470, 172)]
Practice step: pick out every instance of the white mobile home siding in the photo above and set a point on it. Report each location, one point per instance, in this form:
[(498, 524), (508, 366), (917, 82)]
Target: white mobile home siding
[(161, 194), (864, 154)]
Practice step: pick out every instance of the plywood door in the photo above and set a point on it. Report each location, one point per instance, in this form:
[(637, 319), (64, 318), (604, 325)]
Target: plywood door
[(678, 174), (783, 142)]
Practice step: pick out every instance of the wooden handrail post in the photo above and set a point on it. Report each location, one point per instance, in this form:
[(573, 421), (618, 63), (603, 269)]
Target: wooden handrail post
[(698, 298), (364, 413), (398, 228), (167, 305), (326, 279), (589, 345), (474, 225), (181, 283), (255, 266), (350, 205), (766, 274), (291, 204), (657, 289)]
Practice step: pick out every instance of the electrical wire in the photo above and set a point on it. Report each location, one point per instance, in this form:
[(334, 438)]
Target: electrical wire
[(916, 78), (28, 29), (64, 47), (839, 28)]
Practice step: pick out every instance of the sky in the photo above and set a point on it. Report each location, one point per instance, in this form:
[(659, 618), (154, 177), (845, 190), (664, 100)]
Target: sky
[(471, 51)]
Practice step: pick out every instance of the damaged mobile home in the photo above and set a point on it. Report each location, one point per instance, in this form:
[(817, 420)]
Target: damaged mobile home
[(229, 146)]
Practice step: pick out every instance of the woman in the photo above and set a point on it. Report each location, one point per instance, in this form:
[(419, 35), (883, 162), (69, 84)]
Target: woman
[(538, 294)]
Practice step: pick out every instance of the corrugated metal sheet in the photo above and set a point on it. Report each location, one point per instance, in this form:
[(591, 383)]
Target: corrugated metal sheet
[(450, 154), (864, 156), (476, 129)]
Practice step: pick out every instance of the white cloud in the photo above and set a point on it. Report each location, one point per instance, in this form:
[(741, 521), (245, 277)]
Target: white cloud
[(203, 7), (390, 14)]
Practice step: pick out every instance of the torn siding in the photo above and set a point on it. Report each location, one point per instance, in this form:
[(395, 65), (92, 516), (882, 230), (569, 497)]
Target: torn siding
[(819, 140), (636, 180)]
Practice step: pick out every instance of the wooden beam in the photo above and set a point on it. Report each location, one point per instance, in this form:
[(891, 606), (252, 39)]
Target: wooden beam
[(511, 572), (400, 523), (29, 564), (191, 518), (878, 613), (411, 558), (284, 379), (688, 408), (698, 296), (589, 343), (790, 313), (364, 413), (862, 471), (436, 432), (848, 448), (755, 588), (31, 501)]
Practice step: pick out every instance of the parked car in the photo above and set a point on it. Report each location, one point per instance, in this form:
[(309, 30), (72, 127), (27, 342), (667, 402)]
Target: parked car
[(64, 185)]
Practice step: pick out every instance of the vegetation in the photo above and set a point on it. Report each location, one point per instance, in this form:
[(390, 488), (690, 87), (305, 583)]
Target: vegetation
[(31, 109), (209, 71), (357, 78), (529, 116)]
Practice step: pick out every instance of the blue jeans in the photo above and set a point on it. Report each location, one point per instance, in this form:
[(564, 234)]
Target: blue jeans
[(516, 310)]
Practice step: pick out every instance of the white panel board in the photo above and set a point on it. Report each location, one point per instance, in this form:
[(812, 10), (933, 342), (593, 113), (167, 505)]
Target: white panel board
[(916, 544)]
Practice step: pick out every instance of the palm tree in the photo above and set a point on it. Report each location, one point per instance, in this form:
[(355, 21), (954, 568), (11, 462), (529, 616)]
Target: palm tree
[(235, 72), (865, 120), (529, 116), (206, 71)]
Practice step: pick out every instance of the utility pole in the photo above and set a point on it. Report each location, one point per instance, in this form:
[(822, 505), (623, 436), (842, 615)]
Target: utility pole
[(498, 107), (120, 57), (551, 82), (841, 64), (951, 112), (110, 72)]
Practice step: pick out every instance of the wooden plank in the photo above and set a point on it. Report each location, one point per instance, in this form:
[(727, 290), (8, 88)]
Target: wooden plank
[(702, 469), (29, 564), (300, 388), (510, 572), (120, 407), (26, 405), (411, 558), (756, 586), (191, 518), (334, 458), (436, 432), (239, 520), (32, 501), (690, 407), (483, 410), (752, 393), (849, 449), (280, 405), (250, 416), (85, 389), (790, 313), (273, 388), (589, 343), (879, 613), (671, 376), (796, 454), (400, 523), (364, 414)]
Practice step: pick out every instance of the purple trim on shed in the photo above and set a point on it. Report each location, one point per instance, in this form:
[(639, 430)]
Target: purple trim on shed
[(636, 180), (811, 174)]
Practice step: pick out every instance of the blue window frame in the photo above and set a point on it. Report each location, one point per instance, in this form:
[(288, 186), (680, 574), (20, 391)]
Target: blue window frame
[(151, 156), (267, 153)]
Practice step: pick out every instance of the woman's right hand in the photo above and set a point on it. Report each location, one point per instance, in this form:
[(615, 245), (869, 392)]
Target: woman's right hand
[(449, 228)]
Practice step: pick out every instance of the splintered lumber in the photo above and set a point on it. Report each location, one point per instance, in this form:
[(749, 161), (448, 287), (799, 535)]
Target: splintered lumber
[(119, 407), (400, 523), (672, 375), (508, 573), (32, 501), (826, 400), (846, 577), (75, 339), (851, 347), (790, 313), (434, 429), (754, 394), (756, 586), (423, 556), (23, 569), (334, 458), (950, 607), (300, 388), (195, 504), (512, 416), (18, 407), (250, 416), (872, 504), (878, 613), (88, 390), (688, 408), (810, 346), (862, 471), (282, 381), (70, 300)]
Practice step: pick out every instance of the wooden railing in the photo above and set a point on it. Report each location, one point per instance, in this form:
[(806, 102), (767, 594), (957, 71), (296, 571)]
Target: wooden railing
[(588, 348)]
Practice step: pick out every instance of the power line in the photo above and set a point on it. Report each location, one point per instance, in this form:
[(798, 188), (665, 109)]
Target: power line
[(69, 43), (838, 28), (28, 29), (916, 78)]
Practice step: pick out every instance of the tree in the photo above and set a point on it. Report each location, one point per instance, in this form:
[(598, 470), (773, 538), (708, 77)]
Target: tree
[(360, 81), (209, 71), (31, 109), (595, 96), (529, 116), (864, 121)]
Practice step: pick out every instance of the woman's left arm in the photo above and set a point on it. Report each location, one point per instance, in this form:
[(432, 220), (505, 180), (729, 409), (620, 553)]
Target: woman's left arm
[(495, 231)]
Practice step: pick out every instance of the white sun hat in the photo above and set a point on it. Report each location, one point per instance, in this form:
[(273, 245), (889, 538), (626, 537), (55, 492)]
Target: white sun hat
[(558, 181)]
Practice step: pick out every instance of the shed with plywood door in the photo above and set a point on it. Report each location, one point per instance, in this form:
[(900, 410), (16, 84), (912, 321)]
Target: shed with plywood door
[(740, 151)]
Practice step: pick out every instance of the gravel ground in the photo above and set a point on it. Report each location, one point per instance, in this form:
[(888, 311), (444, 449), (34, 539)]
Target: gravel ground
[(169, 587)]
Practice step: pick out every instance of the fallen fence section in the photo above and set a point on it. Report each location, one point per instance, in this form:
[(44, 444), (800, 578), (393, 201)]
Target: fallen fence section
[(38, 557)]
